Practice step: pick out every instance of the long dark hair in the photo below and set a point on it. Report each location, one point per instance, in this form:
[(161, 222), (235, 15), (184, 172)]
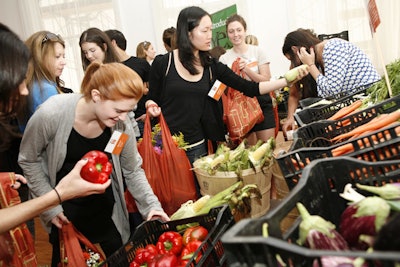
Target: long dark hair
[(14, 58), (97, 36), (302, 38), (188, 19)]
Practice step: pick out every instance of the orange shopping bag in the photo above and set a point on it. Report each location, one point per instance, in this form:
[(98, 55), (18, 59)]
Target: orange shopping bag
[(75, 247), (17, 247), (169, 172), (241, 112)]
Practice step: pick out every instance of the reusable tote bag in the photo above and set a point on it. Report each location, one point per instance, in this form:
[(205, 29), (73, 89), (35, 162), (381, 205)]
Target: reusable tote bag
[(169, 170), (75, 248), (17, 247), (241, 112)]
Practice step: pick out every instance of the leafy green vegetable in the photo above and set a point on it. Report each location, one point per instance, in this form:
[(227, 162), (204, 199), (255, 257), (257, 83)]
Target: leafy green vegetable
[(379, 90)]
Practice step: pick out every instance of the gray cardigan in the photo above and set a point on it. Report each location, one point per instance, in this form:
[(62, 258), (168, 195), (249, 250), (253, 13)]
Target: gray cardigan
[(43, 151)]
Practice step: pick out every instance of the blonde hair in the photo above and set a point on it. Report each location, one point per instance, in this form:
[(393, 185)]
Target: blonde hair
[(251, 39), (141, 49), (114, 81), (41, 45)]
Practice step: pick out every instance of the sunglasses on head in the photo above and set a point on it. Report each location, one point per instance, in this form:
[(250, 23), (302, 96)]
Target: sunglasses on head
[(52, 37)]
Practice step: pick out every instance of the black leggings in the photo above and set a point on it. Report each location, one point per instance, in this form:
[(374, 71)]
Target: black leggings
[(110, 242)]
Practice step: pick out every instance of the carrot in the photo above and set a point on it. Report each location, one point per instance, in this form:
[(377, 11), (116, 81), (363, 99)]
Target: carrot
[(343, 149), (346, 110), (377, 123), (347, 121), (365, 142), (348, 148)]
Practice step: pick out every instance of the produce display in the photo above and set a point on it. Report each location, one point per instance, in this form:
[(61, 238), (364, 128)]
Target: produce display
[(98, 168), (371, 134), (321, 133), (379, 91), (348, 203), (237, 196), (240, 158), (361, 224), (172, 248), (193, 241), (348, 213)]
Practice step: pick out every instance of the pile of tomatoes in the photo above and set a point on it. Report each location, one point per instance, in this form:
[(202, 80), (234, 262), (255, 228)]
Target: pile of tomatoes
[(172, 249)]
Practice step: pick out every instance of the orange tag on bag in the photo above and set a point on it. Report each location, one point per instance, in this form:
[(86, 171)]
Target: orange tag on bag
[(253, 65), (217, 90), (116, 143)]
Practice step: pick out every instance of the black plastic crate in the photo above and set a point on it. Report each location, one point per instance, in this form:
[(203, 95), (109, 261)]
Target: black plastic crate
[(217, 221), (319, 191), (318, 134), (380, 145), (311, 114)]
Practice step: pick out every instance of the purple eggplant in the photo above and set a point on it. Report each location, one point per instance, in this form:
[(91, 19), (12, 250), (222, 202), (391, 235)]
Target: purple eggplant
[(336, 261), (365, 217), (388, 238), (317, 233)]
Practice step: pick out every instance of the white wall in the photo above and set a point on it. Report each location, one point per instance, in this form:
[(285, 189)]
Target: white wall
[(136, 20), (10, 16), (268, 21)]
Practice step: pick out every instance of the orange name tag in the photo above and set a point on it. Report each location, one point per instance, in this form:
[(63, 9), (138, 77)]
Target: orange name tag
[(217, 90), (116, 143)]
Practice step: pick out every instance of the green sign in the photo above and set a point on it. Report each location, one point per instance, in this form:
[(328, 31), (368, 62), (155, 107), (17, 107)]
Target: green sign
[(219, 36)]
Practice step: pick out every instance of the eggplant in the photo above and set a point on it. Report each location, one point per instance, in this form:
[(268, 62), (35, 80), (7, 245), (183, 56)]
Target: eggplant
[(365, 217), (337, 261), (317, 233), (388, 238)]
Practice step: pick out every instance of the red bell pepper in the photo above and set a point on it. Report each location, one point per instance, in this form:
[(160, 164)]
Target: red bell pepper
[(194, 233), (169, 243), (134, 264), (98, 168), (189, 250), (152, 248), (164, 260), (145, 255)]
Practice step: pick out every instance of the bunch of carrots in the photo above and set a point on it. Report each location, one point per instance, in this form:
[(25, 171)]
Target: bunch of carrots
[(378, 123)]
